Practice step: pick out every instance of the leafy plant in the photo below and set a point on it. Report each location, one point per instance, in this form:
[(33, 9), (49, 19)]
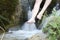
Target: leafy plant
[(53, 27)]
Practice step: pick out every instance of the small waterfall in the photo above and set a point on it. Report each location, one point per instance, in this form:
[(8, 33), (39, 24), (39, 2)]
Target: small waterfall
[(28, 32), (29, 13), (28, 29), (28, 26)]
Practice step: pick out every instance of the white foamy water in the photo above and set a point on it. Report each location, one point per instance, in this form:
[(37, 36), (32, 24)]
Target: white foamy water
[(29, 27), (23, 33)]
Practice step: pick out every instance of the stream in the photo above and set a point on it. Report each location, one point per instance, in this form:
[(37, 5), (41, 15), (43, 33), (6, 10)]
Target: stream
[(27, 30)]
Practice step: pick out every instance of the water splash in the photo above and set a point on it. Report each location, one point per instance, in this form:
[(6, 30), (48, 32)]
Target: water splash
[(29, 26)]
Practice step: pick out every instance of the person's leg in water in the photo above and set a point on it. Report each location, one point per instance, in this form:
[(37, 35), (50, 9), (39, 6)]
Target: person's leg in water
[(35, 11), (39, 16)]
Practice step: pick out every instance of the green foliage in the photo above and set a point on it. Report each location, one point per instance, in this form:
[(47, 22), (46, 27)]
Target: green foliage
[(53, 28), (7, 9)]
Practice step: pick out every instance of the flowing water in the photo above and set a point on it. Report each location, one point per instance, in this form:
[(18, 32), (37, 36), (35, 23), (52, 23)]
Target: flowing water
[(29, 26), (27, 30)]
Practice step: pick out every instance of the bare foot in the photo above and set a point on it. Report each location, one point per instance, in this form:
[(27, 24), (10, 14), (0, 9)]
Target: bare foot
[(31, 21), (39, 16)]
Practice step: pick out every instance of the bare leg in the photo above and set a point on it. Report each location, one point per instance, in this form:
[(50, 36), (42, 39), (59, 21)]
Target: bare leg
[(35, 11), (44, 8)]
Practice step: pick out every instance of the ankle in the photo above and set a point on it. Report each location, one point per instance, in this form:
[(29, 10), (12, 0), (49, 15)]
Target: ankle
[(31, 21)]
